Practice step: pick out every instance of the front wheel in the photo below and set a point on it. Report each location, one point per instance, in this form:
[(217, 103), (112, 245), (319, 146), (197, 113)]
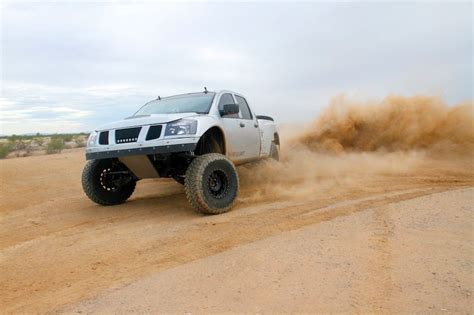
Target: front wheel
[(107, 182), (211, 183)]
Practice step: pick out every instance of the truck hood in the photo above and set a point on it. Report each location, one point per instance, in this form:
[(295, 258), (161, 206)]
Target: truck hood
[(135, 121)]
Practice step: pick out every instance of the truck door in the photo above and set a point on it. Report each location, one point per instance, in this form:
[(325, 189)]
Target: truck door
[(243, 138), (249, 128)]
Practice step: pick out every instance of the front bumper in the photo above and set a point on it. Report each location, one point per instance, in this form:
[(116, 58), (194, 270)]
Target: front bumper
[(171, 148)]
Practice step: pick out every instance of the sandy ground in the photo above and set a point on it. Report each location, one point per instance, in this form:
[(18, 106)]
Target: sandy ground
[(390, 258), (385, 242)]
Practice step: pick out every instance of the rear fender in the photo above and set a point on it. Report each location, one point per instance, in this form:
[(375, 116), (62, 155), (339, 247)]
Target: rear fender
[(268, 130)]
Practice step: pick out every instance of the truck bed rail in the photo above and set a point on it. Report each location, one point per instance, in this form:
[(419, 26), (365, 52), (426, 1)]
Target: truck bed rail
[(265, 117)]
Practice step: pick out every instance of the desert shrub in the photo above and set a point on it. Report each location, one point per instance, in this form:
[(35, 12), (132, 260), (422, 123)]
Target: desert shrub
[(66, 137), (56, 145), (14, 138), (20, 145), (5, 148), (28, 149), (80, 143), (39, 141)]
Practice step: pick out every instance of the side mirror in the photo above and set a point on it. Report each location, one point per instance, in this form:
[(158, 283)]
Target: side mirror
[(230, 109)]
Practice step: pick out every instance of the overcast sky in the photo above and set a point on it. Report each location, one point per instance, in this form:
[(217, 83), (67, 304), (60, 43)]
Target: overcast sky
[(69, 67)]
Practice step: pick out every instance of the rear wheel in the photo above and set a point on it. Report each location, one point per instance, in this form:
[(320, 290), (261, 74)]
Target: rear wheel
[(107, 182), (211, 183), (274, 152)]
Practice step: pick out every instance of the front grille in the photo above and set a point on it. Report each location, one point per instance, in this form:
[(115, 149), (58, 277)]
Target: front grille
[(153, 133), (127, 135), (104, 137)]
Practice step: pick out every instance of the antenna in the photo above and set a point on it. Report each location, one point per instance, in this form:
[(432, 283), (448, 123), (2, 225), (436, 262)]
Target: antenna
[(205, 90), (158, 98)]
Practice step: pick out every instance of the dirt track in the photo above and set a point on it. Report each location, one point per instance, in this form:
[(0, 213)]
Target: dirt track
[(58, 248), (389, 259)]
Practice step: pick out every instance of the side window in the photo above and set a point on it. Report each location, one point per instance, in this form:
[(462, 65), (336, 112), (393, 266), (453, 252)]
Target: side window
[(244, 108), (226, 99)]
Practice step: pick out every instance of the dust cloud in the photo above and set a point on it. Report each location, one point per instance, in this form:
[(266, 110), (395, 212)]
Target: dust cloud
[(352, 142), (395, 124)]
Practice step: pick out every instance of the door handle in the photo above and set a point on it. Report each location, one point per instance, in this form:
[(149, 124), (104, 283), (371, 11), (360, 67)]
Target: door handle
[(242, 125)]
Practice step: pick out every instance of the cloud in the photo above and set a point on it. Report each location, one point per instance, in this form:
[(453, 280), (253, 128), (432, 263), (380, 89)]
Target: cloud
[(40, 118), (27, 108), (6, 104), (108, 58)]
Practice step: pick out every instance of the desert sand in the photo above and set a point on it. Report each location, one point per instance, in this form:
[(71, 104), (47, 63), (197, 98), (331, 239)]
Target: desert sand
[(399, 242), (408, 256), (370, 210)]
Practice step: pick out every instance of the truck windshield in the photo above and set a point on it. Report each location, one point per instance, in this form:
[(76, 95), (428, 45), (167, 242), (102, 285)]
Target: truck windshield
[(189, 103)]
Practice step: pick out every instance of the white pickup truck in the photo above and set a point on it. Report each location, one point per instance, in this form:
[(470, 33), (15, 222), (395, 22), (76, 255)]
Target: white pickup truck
[(194, 138)]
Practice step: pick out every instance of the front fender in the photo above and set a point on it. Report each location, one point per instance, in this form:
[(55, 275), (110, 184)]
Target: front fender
[(207, 122)]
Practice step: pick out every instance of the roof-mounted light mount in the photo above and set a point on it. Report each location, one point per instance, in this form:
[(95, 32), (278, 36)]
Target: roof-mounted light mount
[(205, 90)]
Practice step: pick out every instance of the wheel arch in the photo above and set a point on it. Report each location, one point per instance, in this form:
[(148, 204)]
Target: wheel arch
[(276, 138), (214, 133)]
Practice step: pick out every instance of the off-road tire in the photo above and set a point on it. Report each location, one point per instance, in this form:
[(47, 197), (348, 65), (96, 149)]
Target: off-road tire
[(199, 188), (275, 152), (91, 184)]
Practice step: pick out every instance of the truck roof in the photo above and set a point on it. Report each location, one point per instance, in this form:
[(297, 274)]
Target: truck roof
[(202, 92)]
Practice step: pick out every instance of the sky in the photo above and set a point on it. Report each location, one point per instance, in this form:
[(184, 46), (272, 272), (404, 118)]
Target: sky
[(71, 66)]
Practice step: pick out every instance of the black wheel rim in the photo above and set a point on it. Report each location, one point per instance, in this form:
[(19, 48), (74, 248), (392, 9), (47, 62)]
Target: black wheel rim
[(218, 184)]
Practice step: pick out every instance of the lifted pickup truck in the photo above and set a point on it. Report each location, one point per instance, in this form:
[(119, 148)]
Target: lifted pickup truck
[(194, 138)]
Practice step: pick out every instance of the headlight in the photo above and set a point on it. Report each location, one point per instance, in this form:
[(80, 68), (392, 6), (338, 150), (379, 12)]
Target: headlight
[(181, 127), (92, 138)]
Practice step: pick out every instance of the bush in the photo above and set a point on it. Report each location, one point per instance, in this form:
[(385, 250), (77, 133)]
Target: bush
[(5, 148), (39, 141), (55, 146), (65, 136), (80, 143), (28, 149), (14, 138), (20, 145)]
